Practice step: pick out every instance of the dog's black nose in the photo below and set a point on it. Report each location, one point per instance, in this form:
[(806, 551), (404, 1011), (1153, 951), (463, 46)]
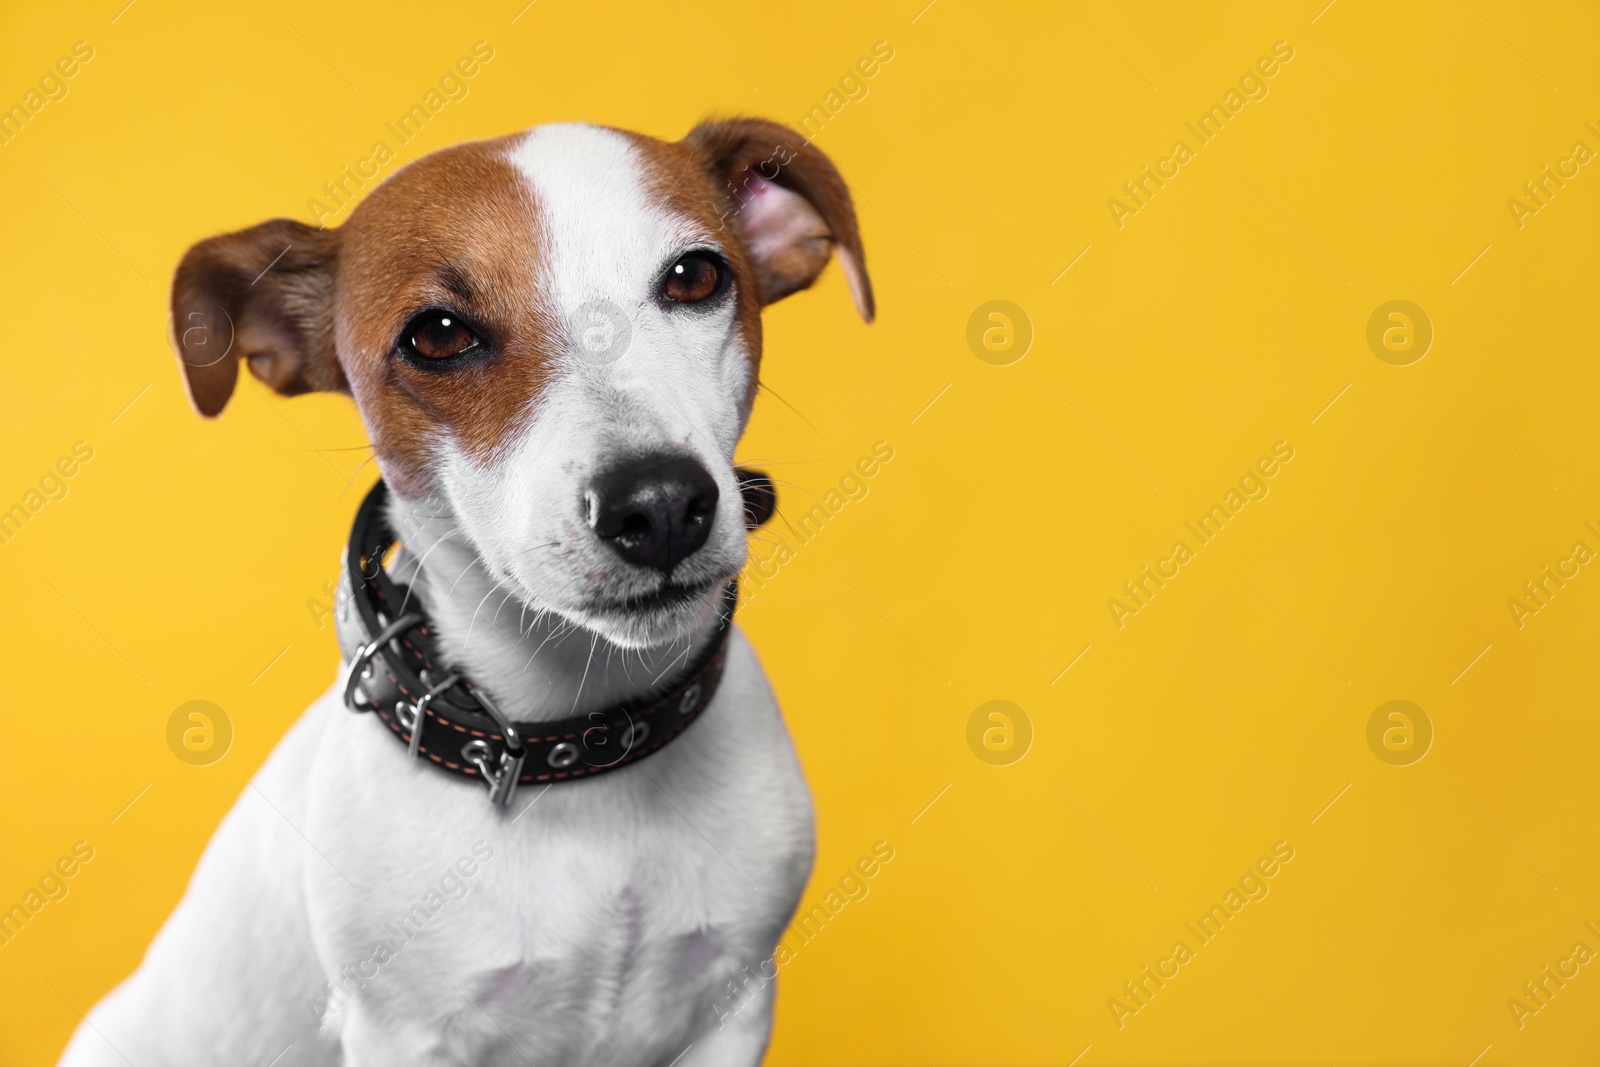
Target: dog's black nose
[(655, 511)]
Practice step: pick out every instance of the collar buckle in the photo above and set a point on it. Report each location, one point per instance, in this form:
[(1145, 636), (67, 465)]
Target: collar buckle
[(412, 716)]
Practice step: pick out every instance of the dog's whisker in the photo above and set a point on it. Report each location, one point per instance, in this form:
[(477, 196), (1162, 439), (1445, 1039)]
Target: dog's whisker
[(465, 570), (582, 681), (554, 633), (348, 482), (673, 661), (474, 620), (764, 387), (783, 483), (764, 463), (411, 588)]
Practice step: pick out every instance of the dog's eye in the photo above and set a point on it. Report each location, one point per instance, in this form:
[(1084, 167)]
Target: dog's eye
[(438, 335), (694, 278)]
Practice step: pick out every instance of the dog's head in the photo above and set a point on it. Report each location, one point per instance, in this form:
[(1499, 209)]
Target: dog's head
[(557, 334)]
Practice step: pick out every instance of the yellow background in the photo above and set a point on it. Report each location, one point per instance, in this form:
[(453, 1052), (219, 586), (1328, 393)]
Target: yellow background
[(1223, 317)]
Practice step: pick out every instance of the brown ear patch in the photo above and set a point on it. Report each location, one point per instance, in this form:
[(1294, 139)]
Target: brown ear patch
[(264, 295), (788, 202)]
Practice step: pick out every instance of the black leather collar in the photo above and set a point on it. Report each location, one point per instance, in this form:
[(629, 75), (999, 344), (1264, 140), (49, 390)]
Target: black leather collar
[(394, 669)]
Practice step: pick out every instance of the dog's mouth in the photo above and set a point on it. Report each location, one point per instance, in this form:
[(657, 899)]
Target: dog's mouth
[(653, 618), (671, 595)]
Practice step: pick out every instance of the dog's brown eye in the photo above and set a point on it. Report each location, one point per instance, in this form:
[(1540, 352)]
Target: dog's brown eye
[(439, 335), (694, 278)]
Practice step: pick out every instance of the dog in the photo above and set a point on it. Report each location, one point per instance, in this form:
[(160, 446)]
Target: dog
[(554, 342)]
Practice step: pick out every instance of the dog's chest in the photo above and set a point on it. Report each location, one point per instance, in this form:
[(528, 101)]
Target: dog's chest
[(578, 947), (588, 924), (618, 966)]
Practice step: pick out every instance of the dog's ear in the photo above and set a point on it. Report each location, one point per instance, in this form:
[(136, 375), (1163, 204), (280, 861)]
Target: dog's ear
[(788, 203), (264, 295)]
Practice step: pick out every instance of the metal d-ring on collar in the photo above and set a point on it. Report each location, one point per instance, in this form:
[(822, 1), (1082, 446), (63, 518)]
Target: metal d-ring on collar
[(400, 674), (360, 667)]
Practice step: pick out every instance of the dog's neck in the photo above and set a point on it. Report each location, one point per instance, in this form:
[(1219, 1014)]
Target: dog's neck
[(537, 665)]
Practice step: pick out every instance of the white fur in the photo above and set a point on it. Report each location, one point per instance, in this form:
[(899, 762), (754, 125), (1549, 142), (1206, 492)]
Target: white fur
[(613, 912), (680, 385)]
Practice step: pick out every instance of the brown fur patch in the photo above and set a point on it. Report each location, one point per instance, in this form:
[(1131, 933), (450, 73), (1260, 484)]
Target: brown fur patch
[(457, 229), (675, 177), (263, 295)]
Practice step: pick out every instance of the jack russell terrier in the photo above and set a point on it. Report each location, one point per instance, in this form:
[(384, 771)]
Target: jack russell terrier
[(554, 340)]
